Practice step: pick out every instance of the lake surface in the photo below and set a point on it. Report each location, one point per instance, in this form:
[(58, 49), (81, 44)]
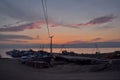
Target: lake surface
[(58, 50)]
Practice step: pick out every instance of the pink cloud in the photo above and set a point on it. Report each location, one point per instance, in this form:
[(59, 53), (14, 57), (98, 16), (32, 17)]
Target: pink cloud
[(33, 25), (95, 21), (38, 24), (98, 20)]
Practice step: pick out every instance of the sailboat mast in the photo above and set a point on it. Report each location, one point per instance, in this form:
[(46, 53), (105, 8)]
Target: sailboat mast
[(44, 5), (97, 49)]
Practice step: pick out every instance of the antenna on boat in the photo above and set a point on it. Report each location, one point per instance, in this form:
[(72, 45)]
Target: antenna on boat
[(44, 5), (62, 46), (97, 49)]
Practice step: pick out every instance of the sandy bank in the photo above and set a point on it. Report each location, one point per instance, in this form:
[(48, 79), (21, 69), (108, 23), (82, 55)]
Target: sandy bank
[(10, 69)]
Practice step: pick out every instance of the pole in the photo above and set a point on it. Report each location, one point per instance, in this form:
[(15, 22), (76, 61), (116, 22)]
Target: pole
[(51, 44)]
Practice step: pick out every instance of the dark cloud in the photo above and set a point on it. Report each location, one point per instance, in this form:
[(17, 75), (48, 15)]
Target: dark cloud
[(10, 37), (62, 25), (98, 20), (95, 21), (19, 41), (105, 27), (13, 41), (96, 39), (76, 42), (101, 20), (79, 41), (34, 25), (30, 10), (39, 23), (114, 40)]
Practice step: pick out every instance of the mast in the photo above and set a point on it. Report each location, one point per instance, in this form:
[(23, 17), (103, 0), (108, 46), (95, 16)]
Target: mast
[(44, 5), (51, 44), (97, 49)]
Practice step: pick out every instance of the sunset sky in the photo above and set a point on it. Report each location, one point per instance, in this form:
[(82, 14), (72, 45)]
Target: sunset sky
[(70, 21)]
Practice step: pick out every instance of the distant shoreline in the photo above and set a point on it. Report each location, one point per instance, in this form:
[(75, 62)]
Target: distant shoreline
[(66, 45), (48, 47)]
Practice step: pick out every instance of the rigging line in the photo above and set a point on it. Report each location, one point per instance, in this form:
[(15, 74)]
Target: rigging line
[(46, 11), (44, 5)]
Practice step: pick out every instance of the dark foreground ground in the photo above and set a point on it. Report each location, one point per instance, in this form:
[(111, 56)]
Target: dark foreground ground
[(11, 69)]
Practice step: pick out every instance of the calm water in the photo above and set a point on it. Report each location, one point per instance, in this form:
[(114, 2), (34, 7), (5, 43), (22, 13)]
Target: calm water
[(58, 50)]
